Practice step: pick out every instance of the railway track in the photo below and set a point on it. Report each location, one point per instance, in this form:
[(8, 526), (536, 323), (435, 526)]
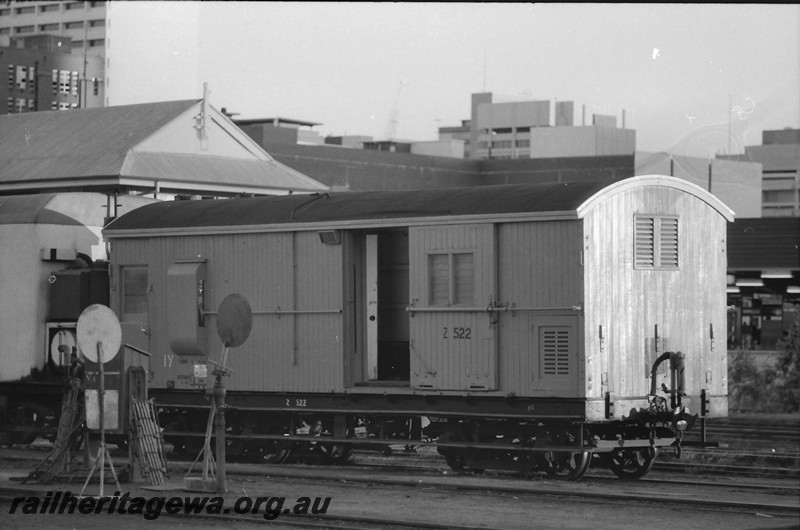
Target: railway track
[(721, 469), (687, 471), (602, 475), (499, 482), (713, 462), (431, 464), (781, 433), (420, 474), (494, 483)]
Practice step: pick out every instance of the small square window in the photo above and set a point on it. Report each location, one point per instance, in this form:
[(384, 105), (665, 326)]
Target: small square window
[(439, 276), (134, 294), (451, 279)]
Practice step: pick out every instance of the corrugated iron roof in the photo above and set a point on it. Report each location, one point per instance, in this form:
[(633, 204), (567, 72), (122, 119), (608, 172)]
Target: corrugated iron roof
[(50, 149), (351, 206), (78, 143), (275, 121), (764, 243), (219, 171)]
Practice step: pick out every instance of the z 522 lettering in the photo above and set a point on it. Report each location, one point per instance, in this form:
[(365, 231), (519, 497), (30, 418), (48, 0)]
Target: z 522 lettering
[(458, 333)]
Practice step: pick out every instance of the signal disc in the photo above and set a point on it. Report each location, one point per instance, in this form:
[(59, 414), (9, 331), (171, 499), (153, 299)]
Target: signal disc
[(234, 320), (98, 325)]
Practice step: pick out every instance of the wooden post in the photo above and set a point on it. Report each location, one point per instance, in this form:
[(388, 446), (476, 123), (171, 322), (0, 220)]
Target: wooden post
[(101, 397), (219, 422)]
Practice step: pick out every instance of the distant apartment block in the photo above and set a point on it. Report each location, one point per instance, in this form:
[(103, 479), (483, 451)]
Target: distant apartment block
[(53, 55), (351, 141), (42, 74), (450, 148), (460, 133), (737, 183), (279, 130), (779, 156), (83, 22), (299, 132), (526, 129)]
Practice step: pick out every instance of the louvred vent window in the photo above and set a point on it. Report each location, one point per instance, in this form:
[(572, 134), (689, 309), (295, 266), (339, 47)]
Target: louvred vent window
[(555, 348), (655, 242)]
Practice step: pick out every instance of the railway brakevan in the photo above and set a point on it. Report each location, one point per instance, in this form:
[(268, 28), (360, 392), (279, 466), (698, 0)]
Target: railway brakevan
[(535, 327), (534, 324)]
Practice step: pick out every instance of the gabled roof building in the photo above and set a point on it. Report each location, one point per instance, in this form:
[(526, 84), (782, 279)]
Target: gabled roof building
[(157, 149)]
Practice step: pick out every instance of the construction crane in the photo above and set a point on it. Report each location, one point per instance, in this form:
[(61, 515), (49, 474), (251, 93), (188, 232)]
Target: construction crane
[(391, 129)]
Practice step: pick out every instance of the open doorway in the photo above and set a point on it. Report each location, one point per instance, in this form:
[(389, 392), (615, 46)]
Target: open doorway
[(381, 297)]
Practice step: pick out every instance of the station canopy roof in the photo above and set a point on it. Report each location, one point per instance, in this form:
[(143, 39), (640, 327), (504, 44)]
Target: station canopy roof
[(175, 146)]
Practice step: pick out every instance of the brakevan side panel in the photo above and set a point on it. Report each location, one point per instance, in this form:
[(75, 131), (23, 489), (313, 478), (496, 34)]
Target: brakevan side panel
[(540, 281), (655, 268), (293, 284), (452, 282)]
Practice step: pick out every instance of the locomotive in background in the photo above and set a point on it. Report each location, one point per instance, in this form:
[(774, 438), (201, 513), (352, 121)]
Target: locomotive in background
[(54, 264), (527, 327)]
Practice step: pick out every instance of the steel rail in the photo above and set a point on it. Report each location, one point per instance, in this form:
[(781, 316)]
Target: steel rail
[(727, 469), (591, 476), (336, 474)]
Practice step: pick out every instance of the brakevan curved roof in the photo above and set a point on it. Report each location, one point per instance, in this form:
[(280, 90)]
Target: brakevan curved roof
[(657, 180), (564, 200)]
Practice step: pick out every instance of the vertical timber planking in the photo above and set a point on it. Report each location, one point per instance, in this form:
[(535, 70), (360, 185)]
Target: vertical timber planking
[(539, 267), (629, 302), (453, 349)]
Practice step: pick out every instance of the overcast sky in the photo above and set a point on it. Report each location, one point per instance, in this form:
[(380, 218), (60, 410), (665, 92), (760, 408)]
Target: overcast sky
[(684, 74)]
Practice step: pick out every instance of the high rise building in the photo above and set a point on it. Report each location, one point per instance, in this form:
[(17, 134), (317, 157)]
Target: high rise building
[(53, 54), (779, 156), (83, 22), (524, 129), (44, 75)]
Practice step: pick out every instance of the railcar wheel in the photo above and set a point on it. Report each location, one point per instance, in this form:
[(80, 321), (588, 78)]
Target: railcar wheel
[(276, 452), (269, 451), (632, 464), (567, 466), (456, 457), (336, 453)]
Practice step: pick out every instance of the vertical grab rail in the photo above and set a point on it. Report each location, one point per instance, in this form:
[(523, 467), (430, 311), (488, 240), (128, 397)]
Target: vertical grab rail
[(677, 377)]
